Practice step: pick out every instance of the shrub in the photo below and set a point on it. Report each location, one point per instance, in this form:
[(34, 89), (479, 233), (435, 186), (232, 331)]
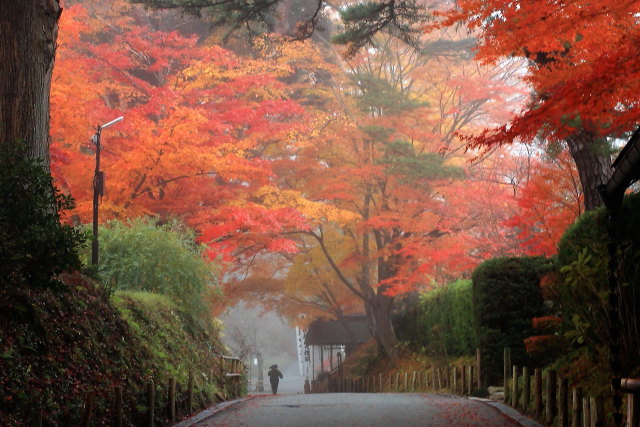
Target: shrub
[(506, 297), (34, 246), (580, 290), (164, 259), (54, 346), (445, 320)]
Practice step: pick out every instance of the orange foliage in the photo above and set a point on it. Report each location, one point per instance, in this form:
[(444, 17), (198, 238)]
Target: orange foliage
[(550, 201), (585, 62), (200, 122)]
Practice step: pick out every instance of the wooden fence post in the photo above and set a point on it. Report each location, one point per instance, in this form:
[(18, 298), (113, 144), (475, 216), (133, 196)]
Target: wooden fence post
[(514, 387), (151, 403), (119, 412), (463, 379), (190, 393), (506, 371), (172, 399), (633, 409), (380, 382), (397, 381), (479, 367), (538, 392), (455, 379), (447, 380), (406, 381), (564, 402), (36, 420), (576, 407), (526, 389), (439, 379), (89, 403), (413, 383), (596, 406), (586, 412), (470, 380), (551, 396)]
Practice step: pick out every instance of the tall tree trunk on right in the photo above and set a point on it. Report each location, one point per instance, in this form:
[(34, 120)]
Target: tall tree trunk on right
[(28, 34), (589, 152)]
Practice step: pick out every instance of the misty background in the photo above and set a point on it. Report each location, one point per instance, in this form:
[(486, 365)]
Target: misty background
[(248, 330)]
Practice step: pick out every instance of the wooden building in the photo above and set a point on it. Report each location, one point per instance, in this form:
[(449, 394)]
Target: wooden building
[(332, 340)]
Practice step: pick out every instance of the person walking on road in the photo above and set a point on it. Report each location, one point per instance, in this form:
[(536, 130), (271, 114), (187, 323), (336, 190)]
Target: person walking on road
[(274, 378)]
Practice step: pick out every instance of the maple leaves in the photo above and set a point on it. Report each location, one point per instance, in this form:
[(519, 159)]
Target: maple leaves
[(198, 119), (330, 184), (549, 202), (583, 71)]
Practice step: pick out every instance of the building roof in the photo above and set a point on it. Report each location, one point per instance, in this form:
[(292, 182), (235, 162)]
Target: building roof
[(352, 330)]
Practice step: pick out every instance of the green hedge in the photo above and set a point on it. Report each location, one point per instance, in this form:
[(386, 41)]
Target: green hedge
[(580, 291), (141, 255), (445, 320), (506, 296)]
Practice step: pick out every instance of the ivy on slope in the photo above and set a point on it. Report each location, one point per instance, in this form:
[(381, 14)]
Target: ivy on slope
[(56, 345)]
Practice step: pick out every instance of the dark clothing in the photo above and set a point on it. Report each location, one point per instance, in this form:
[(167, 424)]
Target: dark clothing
[(274, 379)]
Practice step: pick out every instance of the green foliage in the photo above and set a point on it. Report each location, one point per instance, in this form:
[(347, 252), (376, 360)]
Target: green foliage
[(378, 95), (506, 297), (173, 344), (362, 21), (256, 16), (54, 346), (142, 256), (34, 246), (580, 291), (446, 322), (403, 161)]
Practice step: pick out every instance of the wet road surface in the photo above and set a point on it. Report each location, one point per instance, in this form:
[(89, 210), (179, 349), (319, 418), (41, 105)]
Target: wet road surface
[(358, 409)]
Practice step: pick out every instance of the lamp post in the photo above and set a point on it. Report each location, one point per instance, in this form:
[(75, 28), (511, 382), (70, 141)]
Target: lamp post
[(98, 188)]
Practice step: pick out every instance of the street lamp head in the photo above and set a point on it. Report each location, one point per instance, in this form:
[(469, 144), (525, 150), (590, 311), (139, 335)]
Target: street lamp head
[(112, 122)]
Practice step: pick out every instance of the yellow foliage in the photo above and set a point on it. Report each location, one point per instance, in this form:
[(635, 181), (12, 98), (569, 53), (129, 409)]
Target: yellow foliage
[(274, 198)]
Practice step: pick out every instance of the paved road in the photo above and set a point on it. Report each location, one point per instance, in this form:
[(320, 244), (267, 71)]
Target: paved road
[(358, 409)]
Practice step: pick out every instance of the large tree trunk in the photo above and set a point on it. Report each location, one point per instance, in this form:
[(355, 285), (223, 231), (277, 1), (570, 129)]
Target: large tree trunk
[(593, 163), (28, 34), (379, 314)]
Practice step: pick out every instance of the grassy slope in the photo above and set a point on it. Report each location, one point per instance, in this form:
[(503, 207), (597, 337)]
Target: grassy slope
[(56, 346)]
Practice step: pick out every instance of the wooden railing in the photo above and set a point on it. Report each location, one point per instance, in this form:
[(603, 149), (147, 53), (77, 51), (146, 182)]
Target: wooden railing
[(544, 397), (225, 374), (551, 396), (232, 368), (461, 380)]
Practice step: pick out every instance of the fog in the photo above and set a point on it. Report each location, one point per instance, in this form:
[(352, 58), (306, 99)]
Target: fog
[(248, 330)]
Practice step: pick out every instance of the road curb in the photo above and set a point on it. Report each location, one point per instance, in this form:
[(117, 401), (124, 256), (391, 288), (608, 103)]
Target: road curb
[(210, 412), (509, 412)]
